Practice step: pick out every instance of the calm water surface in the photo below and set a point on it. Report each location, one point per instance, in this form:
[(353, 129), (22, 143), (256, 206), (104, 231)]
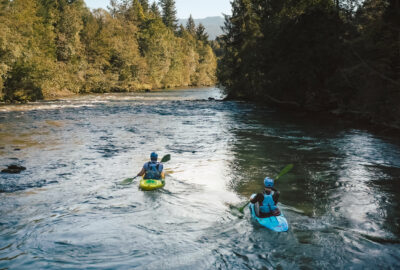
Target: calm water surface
[(68, 210)]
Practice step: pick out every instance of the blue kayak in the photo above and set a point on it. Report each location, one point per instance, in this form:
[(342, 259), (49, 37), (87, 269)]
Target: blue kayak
[(276, 224)]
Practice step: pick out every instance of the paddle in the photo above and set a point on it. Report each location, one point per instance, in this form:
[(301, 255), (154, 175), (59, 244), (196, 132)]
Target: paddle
[(282, 173), (128, 181), (166, 158)]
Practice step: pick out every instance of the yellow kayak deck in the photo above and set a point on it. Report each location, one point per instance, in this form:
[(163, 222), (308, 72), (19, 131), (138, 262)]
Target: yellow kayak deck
[(151, 184)]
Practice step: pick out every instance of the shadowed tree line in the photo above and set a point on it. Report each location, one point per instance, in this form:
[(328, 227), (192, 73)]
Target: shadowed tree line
[(50, 48), (340, 56)]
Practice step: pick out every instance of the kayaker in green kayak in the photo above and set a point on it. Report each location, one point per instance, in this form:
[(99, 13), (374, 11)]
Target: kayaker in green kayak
[(265, 203), (152, 169)]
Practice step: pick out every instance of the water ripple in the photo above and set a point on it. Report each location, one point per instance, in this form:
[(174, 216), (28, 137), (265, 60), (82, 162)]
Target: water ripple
[(68, 210)]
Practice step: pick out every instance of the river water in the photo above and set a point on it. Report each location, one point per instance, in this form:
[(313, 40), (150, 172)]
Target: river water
[(68, 210)]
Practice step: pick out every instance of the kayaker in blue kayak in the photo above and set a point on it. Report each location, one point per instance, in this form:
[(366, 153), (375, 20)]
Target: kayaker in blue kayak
[(152, 169), (265, 204)]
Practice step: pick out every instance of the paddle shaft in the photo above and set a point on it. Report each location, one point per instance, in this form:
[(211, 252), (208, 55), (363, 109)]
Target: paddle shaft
[(165, 158)]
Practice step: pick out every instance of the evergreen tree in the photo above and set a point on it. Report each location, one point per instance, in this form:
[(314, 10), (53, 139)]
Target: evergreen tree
[(134, 12), (169, 13), (145, 5), (201, 33), (315, 54), (191, 26), (154, 10), (182, 30)]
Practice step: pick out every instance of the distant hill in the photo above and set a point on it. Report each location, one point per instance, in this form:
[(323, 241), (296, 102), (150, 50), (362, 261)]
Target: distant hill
[(212, 25)]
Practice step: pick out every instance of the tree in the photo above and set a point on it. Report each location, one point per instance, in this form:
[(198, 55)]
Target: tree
[(68, 28), (169, 13), (23, 51), (201, 33), (181, 31), (317, 55), (154, 10), (113, 7), (145, 5), (191, 26), (50, 48), (134, 12)]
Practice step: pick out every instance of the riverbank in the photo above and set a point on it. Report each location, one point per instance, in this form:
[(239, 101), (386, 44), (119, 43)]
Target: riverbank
[(337, 59), (55, 49), (65, 94)]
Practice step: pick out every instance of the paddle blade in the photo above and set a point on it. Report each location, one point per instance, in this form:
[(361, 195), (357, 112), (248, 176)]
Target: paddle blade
[(235, 211), (241, 209), (127, 181), (284, 171), (166, 158)]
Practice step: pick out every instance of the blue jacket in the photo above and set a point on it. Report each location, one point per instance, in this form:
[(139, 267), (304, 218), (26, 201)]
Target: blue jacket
[(267, 202)]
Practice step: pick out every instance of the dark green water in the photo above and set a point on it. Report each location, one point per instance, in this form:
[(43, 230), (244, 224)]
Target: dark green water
[(68, 210)]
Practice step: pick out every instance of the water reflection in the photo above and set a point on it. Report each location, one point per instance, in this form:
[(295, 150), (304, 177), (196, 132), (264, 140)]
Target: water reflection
[(337, 180)]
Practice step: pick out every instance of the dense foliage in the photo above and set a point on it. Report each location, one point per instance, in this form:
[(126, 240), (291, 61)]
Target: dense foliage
[(55, 47), (341, 56)]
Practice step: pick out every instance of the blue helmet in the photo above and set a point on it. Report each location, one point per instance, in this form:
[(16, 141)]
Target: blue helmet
[(154, 156), (268, 182)]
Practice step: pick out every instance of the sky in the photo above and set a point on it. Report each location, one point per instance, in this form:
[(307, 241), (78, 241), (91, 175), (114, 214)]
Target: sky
[(198, 8)]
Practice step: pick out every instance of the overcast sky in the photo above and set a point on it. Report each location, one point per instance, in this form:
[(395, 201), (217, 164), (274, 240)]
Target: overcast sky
[(198, 8)]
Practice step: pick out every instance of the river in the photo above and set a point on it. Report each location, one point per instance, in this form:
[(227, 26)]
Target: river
[(68, 210)]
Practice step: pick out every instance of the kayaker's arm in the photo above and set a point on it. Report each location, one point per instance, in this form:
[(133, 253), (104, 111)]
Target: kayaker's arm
[(142, 172), (258, 198)]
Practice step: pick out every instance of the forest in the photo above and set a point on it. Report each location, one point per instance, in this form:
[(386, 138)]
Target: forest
[(334, 56), (55, 48)]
